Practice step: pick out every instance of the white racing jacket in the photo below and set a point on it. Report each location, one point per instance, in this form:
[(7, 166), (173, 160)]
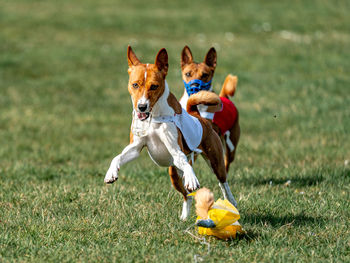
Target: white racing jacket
[(189, 126)]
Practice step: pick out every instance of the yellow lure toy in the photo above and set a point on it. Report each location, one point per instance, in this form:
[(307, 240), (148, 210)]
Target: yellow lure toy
[(219, 219)]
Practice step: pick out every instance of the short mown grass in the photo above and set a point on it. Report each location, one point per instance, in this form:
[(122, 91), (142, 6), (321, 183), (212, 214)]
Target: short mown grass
[(65, 113)]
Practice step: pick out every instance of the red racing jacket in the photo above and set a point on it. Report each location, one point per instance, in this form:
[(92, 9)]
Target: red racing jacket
[(226, 118)]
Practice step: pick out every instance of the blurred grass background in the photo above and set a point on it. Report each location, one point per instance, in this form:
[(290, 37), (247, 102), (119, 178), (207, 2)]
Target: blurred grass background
[(65, 113)]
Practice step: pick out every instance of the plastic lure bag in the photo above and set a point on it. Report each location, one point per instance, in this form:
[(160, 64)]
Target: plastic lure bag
[(225, 217)]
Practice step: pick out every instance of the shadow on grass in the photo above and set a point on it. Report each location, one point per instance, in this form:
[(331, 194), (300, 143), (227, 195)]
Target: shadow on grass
[(310, 178), (248, 236), (275, 222), (287, 220), (295, 180)]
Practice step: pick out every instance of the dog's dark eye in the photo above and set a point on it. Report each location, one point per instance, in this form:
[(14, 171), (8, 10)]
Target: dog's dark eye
[(205, 75), (154, 87), (135, 85), (188, 74)]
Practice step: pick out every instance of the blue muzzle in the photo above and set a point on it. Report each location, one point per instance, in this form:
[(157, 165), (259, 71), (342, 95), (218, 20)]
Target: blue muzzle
[(196, 85)]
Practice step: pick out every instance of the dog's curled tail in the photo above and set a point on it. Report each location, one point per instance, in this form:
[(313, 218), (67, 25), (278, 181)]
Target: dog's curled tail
[(229, 87), (204, 200), (206, 98)]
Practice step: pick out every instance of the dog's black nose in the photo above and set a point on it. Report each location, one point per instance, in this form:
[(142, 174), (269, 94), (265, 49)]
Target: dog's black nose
[(194, 85), (142, 107)]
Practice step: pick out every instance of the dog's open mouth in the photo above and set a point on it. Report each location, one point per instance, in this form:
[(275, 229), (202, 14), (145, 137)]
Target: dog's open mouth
[(143, 115)]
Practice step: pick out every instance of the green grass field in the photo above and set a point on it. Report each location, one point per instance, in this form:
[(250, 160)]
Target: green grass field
[(65, 112)]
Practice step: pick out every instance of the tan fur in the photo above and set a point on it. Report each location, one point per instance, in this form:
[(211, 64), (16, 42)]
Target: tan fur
[(203, 97), (155, 72), (173, 102), (229, 87), (131, 137), (212, 150), (176, 181), (204, 71), (204, 200)]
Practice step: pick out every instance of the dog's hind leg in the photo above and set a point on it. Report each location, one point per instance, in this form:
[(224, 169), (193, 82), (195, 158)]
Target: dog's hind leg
[(226, 191), (230, 153), (213, 153), (178, 185)]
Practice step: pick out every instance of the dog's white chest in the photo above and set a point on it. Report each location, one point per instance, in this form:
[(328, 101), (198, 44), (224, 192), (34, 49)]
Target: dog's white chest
[(156, 148)]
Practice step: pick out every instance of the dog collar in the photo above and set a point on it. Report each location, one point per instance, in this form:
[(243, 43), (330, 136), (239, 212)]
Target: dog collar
[(192, 89), (140, 128), (163, 119)]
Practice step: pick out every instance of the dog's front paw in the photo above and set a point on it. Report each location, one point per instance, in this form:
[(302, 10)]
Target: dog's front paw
[(190, 180), (112, 174)]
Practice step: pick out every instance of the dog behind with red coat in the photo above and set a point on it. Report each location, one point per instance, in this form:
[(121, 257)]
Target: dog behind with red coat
[(198, 77)]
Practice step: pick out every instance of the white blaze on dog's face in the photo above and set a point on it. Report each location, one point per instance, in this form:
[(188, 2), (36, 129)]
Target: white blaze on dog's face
[(146, 82), (192, 70)]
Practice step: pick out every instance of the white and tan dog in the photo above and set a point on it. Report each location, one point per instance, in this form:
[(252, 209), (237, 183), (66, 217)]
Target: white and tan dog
[(168, 131)]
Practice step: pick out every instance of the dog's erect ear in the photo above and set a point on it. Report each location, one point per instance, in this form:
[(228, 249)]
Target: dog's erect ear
[(186, 56), (210, 58), (132, 59), (161, 61)]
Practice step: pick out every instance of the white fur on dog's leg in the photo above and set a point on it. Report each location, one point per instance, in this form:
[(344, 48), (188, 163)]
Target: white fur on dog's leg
[(227, 193), (186, 208), (168, 135), (130, 152), (112, 173), (190, 180)]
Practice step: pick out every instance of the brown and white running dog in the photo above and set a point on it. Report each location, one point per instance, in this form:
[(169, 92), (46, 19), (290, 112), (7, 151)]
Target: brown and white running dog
[(205, 72), (157, 125)]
